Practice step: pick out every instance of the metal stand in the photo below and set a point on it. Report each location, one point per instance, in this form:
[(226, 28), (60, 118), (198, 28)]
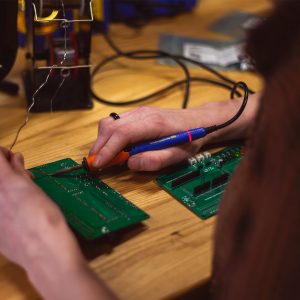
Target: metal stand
[(57, 76)]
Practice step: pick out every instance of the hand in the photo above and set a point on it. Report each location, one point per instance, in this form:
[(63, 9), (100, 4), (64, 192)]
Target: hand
[(147, 123), (35, 236), (26, 213), (144, 124)]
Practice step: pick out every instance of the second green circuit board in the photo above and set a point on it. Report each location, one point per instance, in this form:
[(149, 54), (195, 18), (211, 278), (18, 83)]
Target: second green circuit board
[(201, 185)]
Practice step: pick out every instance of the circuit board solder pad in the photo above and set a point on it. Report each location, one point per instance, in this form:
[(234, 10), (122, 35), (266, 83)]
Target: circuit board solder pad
[(90, 206), (201, 185)]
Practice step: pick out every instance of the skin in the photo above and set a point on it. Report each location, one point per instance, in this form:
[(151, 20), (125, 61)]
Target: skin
[(148, 123), (34, 234)]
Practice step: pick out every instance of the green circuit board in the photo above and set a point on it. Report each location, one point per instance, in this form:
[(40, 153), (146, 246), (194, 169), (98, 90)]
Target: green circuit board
[(201, 185), (90, 206)]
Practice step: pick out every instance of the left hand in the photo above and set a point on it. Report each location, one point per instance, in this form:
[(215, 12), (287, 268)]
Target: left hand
[(27, 215), (35, 236)]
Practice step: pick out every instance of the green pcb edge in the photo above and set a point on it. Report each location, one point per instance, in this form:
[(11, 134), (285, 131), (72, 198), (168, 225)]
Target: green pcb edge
[(200, 186), (89, 205)]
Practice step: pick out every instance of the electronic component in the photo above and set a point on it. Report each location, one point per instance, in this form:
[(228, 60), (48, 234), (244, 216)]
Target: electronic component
[(202, 188), (90, 206), (201, 185), (220, 180), (185, 178)]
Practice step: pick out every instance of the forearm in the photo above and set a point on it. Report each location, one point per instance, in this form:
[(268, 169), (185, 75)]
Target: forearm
[(76, 282), (62, 272), (216, 113)]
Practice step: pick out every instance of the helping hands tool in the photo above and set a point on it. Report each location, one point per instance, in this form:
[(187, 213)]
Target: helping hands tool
[(154, 145)]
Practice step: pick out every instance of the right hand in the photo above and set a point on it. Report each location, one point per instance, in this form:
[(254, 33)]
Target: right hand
[(146, 123)]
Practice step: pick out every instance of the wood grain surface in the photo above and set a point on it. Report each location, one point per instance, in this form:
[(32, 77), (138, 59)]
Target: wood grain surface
[(173, 252)]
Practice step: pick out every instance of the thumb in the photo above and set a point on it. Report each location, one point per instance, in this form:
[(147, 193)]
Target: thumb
[(156, 160)]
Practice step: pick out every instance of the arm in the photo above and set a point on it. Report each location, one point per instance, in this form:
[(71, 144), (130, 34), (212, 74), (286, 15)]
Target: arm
[(35, 236), (149, 123)]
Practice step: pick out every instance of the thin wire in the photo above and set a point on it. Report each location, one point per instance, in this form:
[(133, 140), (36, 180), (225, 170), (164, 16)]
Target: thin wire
[(43, 84), (55, 94), (29, 110), (65, 33), (64, 25)]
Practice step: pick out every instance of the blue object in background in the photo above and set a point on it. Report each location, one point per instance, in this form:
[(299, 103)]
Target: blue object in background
[(141, 10)]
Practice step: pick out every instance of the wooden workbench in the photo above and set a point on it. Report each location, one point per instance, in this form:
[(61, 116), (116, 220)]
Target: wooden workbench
[(173, 253)]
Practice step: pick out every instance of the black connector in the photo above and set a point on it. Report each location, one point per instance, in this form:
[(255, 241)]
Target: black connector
[(201, 189), (185, 178), (220, 180)]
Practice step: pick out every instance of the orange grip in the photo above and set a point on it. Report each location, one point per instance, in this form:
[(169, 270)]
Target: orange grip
[(120, 159)]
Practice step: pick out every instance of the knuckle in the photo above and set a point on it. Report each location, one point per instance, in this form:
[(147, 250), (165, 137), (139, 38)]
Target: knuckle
[(157, 120), (104, 127), (103, 123)]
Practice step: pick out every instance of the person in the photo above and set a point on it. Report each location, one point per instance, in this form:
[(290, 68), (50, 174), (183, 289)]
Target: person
[(45, 247), (258, 232)]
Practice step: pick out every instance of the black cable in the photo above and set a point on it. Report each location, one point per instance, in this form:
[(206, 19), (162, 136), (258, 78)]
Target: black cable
[(179, 57), (240, 111), (163, 91), (154, 54), (142, 55)]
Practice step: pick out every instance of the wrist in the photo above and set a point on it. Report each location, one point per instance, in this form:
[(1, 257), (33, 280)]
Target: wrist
[(65, 274), (216, 113), (52, 253)]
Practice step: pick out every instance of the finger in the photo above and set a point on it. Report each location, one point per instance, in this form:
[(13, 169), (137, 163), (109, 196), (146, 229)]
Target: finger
[(156, 160), (6, 152), (106, 128), (139, 125), (19, 158), (19, 165), (30, 175), (122, 137), (17, 162), (5, 167)]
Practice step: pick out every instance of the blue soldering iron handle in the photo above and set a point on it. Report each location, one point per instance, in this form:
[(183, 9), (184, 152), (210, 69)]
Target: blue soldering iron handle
[(170, 141)]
